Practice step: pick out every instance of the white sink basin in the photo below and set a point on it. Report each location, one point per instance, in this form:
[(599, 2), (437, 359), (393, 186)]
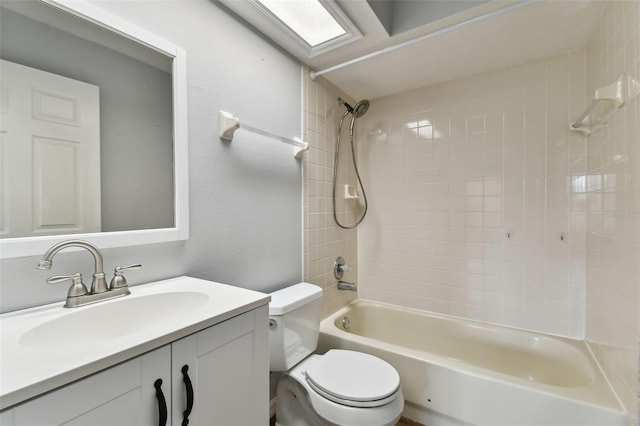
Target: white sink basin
[(46, 347), (115, 319)]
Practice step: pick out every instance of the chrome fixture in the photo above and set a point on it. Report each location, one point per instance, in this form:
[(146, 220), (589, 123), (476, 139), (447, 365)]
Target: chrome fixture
[(78, 294), (99, 284), (345, 323), (356, 111), (344, 285), (340, 267), (118, 280)]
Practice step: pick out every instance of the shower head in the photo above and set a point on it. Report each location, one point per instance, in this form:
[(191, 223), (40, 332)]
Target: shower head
[(360, 109), (357, 111)]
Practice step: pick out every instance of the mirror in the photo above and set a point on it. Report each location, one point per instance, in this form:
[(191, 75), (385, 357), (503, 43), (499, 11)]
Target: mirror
[(102, 141)]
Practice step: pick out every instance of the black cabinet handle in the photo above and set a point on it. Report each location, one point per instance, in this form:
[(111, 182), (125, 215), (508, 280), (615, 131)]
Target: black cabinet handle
[(162, 403), (189, 388)]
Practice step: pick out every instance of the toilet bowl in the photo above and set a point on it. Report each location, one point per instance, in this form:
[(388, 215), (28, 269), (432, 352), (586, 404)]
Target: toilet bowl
[(338, 388)]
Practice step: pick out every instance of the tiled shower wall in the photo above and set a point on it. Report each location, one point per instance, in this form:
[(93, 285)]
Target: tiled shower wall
[(324, 241), (612, 182), (484, 205), (474, 210)]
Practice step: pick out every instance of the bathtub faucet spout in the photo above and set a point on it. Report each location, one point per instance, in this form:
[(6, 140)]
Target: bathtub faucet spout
[(344, 285)]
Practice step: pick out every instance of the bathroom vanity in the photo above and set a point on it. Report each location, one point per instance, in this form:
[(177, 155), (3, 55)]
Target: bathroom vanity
[(169, 349), (187, 348)]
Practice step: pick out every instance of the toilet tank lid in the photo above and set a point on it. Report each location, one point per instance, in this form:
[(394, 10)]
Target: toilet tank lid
[(290, 298)]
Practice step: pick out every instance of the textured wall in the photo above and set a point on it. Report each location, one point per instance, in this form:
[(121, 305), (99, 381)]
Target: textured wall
[(245, 196)]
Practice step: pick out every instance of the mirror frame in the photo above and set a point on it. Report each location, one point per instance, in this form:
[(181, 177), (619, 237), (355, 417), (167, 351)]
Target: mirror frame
[(32, 246)]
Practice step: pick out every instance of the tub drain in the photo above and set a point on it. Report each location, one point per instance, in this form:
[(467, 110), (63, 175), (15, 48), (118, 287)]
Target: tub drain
[(345, 323)]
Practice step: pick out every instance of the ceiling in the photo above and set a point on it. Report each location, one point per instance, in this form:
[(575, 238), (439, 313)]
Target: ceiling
[(535, 30)]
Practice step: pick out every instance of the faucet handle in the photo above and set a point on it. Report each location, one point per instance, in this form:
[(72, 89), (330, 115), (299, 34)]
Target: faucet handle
[(119, 269), (77, 288), (340, 267), (118, 279)]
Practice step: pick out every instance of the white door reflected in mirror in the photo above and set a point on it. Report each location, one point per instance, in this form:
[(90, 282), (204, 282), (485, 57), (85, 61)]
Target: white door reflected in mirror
[(51, 153), (143, 145)]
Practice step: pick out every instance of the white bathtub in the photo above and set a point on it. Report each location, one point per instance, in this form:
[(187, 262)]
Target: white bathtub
[(456, 372)]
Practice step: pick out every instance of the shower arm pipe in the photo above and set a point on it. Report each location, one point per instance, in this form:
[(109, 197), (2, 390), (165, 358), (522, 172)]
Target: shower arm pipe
[(229, 124), (315, 74)]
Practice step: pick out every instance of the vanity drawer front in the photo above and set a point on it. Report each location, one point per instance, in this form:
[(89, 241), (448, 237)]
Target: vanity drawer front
[(121, 395)]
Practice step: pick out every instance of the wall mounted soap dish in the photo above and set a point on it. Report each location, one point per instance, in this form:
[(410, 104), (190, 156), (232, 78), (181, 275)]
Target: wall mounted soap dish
[(612, 97), (351, 192)]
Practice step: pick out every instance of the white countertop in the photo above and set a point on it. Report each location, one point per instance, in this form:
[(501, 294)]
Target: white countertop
[(29, 367)]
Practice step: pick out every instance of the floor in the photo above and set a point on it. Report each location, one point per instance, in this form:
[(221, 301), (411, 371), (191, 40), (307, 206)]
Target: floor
[(403, 422), (408, 422)]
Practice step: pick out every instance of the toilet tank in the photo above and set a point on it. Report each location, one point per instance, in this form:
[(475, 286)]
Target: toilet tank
[(294, 324)]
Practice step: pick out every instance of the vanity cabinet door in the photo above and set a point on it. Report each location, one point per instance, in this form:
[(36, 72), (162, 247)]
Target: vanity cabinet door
[(228, 368), (120, 395)]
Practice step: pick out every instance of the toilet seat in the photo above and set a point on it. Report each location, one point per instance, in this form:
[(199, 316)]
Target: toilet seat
[(353, 379)]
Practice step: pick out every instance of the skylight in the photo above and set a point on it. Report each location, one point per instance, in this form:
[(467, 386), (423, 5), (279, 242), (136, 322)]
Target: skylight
[(305, 28), (307, 18)]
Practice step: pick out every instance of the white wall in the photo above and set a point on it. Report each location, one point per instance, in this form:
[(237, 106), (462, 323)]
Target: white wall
[(245, 197), (472, 208), (613, 206)]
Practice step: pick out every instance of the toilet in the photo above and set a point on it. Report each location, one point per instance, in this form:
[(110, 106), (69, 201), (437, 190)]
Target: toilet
[(338, 388)]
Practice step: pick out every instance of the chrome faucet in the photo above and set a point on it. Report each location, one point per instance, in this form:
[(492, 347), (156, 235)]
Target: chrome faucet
[(344, 285), (99, 284), (78, 294), (339, 268)]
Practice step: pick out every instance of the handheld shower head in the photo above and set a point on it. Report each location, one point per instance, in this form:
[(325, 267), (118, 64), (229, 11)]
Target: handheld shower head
[(357, 111), (360, 109)]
